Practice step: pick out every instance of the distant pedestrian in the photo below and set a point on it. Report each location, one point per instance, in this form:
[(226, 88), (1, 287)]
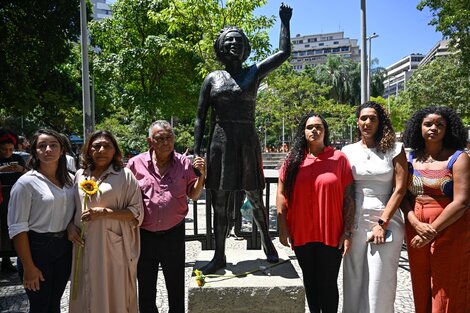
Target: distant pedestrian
[(22, 148), (12, 166)]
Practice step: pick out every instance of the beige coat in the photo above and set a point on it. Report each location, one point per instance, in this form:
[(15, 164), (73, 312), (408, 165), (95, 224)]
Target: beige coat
[(108, 265)]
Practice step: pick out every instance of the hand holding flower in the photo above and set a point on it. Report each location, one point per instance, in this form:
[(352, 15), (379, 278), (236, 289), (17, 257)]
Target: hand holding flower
[(92, 214)]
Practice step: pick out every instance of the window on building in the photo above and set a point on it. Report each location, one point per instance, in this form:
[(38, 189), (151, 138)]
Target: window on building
[(307, 46), (335, 50), (321, 44), (344, 48), (336, 42), (319, 52), (328, 50)]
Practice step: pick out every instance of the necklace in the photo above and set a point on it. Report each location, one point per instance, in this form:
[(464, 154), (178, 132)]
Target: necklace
[(368, 151), (99, 180), (431, 159)]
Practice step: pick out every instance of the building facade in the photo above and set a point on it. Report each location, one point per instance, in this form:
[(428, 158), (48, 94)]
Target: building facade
[(440, 49), (400, 72), (100, 9), (312, 50)]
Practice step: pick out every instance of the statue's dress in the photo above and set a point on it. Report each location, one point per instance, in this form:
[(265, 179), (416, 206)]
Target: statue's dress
[(234, 153)]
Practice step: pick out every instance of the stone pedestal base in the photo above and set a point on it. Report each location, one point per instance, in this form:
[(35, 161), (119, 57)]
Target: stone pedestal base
[(279, 289)]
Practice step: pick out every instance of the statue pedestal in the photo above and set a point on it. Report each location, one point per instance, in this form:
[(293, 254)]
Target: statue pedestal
[(280, 290)]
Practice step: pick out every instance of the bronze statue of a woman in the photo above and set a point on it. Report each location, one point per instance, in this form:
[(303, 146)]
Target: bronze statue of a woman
[(234, 154)]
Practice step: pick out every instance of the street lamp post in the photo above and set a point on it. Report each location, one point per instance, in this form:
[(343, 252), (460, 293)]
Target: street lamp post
[(364, 97), (87, 119), (369, 68)]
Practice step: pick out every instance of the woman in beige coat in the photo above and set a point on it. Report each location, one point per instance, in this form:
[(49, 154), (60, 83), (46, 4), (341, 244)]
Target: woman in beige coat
[(105, 230)]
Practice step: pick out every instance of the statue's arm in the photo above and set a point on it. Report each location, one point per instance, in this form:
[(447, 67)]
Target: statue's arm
[(202, 108), (275, 60)]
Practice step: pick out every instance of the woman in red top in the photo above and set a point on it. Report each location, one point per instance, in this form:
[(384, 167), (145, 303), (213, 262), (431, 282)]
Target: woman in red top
[(315, 205)]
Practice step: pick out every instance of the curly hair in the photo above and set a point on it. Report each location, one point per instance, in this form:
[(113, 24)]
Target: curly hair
[(86, 159), (62, 173), (298, 151), (219, 41), (454, 138), (385, 135)]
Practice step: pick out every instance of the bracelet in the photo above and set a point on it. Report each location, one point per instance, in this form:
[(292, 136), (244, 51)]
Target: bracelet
[(348, 234)]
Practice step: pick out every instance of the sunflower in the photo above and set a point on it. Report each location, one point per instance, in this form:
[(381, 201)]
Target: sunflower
[(89, 187), (200, 278)]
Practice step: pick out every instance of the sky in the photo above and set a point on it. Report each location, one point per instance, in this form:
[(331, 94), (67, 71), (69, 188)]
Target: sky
[(402, 28)]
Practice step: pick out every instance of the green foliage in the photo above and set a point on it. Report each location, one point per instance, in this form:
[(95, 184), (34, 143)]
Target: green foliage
[(205, 19), (377, 87), (184, 133), (36, 41), (452, 19), (288, 95), (141, 67), (153, 56), (127, 134), (344, 77), (439, 83)]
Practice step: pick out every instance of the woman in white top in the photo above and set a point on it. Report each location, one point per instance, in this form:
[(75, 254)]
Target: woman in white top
[(380, 171), (40, 208)]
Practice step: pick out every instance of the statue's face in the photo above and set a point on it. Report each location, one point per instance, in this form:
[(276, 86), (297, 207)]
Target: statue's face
[(233, 45)]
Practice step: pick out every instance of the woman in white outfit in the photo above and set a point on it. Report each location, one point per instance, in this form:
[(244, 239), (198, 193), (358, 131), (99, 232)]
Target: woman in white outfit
[(380, 171)]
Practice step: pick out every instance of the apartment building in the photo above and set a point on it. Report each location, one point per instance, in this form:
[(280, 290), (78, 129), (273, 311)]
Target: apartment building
[(312, 50), (100, 9), (400, 72)]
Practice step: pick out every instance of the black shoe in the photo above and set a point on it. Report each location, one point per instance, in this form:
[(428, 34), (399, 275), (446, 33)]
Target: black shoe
[(7, 267)]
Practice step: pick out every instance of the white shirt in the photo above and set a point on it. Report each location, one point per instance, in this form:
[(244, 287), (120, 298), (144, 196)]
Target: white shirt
[(37, 204), (70, 163)]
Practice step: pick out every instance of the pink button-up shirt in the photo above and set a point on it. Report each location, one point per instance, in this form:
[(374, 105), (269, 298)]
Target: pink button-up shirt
[(164, 197)]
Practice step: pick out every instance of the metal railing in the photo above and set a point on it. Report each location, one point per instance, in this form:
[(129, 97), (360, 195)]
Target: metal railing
[(206, 236)]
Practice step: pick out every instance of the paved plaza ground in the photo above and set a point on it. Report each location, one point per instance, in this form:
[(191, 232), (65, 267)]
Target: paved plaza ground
[(13, 297)]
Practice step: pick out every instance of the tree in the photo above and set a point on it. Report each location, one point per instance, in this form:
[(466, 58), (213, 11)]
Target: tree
[(154, 55), (36, 42), (377, 87), (439, 83), (288, 95), (452, 19), (343, 75)]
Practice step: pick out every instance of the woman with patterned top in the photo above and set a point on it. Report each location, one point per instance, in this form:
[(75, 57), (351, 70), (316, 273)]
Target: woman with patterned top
[(379, 168), (436, 208)]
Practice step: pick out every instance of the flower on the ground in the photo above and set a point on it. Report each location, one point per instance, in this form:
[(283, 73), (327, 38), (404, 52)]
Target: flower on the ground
[(200, 278)]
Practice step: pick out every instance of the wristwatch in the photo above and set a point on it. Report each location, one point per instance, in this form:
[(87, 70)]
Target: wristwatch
[(382, 223)]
